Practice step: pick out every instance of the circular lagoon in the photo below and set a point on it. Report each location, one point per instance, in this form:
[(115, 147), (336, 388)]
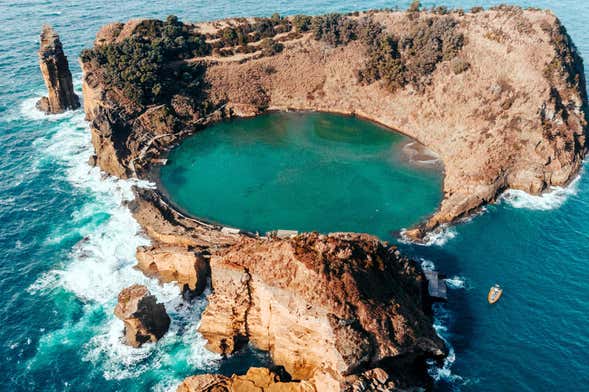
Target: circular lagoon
[(302, 171)]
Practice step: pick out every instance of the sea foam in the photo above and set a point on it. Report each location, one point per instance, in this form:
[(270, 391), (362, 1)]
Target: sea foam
[(437, 237), (101, 264), (554, 198)]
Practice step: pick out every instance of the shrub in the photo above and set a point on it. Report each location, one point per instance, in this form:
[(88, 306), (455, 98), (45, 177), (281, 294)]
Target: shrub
[(414, 57), (137, 66), (459, 66), (302, 22), (476, 9), (334, 29), (415, 6), (270, 47)]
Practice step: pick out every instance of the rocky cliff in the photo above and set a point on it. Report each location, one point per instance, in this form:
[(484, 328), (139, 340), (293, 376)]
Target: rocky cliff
[(56, 74), (499, 95), (325, 306), (256, 379)]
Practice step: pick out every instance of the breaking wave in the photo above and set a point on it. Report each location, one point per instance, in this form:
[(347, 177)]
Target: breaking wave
[(101, 264), (438, 237), (550, 200), (442, 321)]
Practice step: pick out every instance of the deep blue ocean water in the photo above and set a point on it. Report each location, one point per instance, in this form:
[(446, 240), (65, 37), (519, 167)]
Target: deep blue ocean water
[(67, 245)]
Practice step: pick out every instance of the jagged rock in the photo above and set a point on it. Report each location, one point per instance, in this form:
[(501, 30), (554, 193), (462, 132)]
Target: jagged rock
[(255, 380), (145, 319), (56, 74), (320, 304), (175, 264)]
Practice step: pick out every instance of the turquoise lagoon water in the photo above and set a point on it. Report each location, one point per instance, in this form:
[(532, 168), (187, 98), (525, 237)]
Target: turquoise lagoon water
[(67, 245), (302, 171)]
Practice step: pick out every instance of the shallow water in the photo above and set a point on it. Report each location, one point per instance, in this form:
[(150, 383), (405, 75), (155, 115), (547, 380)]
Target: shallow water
[(58, 290), (301, 171)]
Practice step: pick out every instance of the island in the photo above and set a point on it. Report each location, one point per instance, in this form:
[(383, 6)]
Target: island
[(499, 95)]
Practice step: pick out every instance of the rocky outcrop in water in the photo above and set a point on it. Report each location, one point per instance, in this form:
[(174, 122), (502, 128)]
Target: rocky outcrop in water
[(324, 306), (145, 319), (498, 95), (56, 74)]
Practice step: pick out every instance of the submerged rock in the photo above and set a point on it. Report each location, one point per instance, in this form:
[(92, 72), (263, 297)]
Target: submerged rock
[(145, 319), (56, 74)]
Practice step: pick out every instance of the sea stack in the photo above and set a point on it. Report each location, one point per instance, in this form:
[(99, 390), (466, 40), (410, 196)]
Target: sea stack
[(57, 75), (145, 319)]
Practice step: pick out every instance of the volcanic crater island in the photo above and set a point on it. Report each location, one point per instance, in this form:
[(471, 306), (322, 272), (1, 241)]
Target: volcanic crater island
[(497, 95)]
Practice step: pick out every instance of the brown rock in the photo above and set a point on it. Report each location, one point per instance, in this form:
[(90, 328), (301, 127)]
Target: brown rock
[(57, 75), (145, 319), (319, 304), (255, 380), (175, 264)]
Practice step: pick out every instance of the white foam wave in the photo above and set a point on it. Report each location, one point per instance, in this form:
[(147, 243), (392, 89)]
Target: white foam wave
[(441, 320), (427, 265), (102, 264), (438, 237), (457, 282), (550, 200), (29, 111)]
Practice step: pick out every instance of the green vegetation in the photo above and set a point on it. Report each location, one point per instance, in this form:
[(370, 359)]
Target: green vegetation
[(270, 47), (142, 66), (414, 57), (334, 29), (302, 22), (245, 32)]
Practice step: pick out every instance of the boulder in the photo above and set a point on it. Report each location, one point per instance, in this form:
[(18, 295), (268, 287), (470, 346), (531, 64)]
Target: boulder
[(145, 319)]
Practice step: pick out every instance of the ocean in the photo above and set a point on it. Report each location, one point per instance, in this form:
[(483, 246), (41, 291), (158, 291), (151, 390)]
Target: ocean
[(67, 243)]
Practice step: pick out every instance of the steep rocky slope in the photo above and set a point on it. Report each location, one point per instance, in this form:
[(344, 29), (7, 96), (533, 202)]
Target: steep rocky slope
[(324, 306)]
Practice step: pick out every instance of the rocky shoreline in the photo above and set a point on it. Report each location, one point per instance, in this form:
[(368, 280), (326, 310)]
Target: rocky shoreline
[(498, 95)]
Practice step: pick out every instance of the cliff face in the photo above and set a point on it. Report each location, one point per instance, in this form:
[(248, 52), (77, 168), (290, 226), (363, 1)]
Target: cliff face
[(507, 109), (325, 307), (56, 74)]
